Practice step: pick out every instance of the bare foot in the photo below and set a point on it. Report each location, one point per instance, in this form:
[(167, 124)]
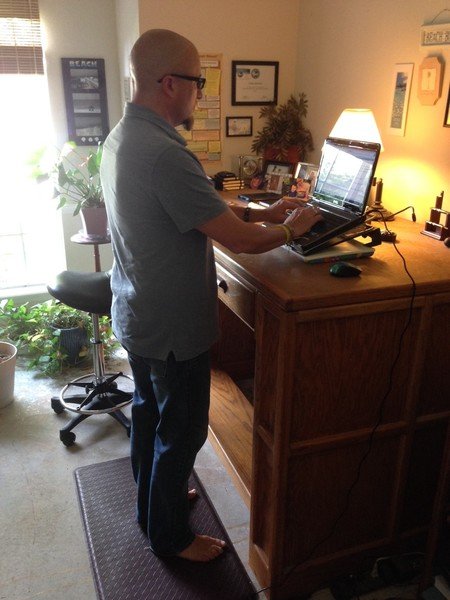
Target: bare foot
[(192, 494), (203, 549)]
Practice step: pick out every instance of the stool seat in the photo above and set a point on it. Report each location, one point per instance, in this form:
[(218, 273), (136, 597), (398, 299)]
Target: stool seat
[(89, 292), (101, 392)]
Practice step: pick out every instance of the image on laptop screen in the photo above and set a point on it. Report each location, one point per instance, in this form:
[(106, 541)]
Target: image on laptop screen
[(344, 176)]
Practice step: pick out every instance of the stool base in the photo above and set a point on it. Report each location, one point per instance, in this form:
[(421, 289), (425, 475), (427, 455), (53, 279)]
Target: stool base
[(101, 396)]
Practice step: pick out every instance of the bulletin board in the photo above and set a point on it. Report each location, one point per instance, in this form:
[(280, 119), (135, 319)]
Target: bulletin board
[(204, 139)]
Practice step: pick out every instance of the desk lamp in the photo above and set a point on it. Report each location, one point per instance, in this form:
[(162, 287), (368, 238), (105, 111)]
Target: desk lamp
[(359, 124)]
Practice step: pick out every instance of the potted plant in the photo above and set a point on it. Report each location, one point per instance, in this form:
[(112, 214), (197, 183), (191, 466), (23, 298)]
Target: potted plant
[(51, 334), (283, 137), (8, 353), (77, 182)]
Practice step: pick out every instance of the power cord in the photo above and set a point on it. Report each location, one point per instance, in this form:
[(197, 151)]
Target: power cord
[(381, 408)]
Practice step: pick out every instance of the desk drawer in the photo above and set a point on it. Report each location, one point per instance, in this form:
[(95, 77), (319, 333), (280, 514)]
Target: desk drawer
[(239, 297)]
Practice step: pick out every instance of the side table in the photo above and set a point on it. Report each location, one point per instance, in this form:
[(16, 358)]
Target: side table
[(95, 241)]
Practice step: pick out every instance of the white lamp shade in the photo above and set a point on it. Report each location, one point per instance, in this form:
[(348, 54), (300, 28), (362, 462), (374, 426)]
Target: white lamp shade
[(357, 124)]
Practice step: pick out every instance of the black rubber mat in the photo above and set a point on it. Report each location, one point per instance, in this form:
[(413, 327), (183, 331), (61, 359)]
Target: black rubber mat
[(123, 566)]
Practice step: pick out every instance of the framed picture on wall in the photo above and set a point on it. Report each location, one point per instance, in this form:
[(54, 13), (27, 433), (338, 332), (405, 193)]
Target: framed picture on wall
[(86, 103), (254, 82), (401, 89), (239, 126), (447, 110)]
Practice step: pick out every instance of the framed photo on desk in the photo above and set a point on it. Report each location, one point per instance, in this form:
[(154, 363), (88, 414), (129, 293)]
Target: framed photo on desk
[(276, 174), (254, 82)]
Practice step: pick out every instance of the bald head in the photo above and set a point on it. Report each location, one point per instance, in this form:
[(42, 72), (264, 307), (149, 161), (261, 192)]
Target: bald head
[(159, 52)]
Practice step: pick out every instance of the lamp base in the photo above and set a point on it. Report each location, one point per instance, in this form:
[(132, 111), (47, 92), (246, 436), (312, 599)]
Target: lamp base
[(382, 214)]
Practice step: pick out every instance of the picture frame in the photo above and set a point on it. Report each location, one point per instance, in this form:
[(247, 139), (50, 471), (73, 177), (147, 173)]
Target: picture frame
[(254, 82), (305, 173), (239, 126), (401, 89), (275, 175), (85, 98), (447, 110)]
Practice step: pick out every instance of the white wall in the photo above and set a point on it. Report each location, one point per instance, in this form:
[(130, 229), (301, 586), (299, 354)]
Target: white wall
[(84, 29), (340, 52), (347, 51), (242, 30), (127, 19)]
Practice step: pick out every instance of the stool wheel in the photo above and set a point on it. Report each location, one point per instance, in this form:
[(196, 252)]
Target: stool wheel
[(57, 406), (67, 437)]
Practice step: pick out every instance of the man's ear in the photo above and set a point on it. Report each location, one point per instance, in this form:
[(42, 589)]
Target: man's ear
[(167, 85)]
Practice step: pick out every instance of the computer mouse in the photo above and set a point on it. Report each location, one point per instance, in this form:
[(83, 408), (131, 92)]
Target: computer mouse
[(447, 242), (344, 269)]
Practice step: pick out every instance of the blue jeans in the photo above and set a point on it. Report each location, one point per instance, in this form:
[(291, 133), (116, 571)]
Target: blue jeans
[(169, 426)]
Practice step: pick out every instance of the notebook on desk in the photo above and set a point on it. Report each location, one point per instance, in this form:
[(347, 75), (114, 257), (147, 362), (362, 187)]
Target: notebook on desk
[(341, 192)]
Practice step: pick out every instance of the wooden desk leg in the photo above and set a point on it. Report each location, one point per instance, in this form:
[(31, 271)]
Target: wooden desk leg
[(437, 516)]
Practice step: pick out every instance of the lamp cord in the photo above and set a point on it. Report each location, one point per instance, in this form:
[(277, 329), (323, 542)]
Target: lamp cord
[(381, 408)]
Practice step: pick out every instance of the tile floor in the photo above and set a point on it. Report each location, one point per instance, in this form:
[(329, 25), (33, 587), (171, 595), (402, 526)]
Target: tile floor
[(43, 553)]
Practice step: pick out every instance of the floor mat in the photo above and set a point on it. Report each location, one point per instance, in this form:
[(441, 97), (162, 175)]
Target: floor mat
[(123, 566)]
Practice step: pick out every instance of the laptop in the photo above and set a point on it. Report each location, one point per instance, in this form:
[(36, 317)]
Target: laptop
[(343, 183)]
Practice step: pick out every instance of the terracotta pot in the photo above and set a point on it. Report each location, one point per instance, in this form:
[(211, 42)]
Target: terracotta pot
[(95, 222), (7, 372), (292, 155)]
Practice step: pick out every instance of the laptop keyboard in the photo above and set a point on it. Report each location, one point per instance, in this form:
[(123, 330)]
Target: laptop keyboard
[(331, 221)]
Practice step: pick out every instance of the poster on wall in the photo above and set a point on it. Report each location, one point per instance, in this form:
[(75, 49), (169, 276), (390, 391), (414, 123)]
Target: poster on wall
[(204, 136), (400, 98), (86, 103)]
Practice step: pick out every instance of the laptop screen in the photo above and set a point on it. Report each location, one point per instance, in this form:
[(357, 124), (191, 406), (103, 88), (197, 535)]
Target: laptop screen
[(345, 174)]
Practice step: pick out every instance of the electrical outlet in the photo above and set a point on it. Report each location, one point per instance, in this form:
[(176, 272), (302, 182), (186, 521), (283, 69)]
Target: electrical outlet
[(434, 36)]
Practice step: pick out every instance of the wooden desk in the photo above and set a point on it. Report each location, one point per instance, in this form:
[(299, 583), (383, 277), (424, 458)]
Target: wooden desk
[(321, 352)]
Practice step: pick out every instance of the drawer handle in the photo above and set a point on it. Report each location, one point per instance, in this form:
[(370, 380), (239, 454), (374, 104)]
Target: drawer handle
[(222, 284)]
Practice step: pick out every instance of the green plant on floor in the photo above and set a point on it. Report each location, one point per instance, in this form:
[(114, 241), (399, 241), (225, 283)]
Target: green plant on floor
[(36, 331), (76, 178)]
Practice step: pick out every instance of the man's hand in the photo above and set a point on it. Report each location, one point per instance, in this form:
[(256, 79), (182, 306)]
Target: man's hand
[(278, 212), (302, 219)]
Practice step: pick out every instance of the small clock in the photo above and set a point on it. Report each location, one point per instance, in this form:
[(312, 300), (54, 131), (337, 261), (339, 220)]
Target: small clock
[(249, 166)]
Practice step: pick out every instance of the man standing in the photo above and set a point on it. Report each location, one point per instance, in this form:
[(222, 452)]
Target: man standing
[(163, 213)]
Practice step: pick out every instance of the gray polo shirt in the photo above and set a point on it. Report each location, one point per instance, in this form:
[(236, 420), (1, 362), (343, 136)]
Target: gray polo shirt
[(163, 278)]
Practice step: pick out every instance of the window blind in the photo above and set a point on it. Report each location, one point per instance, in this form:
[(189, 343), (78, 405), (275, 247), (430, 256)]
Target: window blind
[(20, 37)]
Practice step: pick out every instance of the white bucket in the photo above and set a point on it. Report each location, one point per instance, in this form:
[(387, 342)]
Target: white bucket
[(7, 372)]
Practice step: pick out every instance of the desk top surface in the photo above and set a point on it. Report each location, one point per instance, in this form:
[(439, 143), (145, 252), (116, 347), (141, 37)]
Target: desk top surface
[(283, 277)]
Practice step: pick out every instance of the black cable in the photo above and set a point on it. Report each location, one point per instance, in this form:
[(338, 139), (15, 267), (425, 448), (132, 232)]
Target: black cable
[(377, 423), (413, 215)]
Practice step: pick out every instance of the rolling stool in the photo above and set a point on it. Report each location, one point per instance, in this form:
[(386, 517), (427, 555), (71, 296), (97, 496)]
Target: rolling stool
[(90, 292)]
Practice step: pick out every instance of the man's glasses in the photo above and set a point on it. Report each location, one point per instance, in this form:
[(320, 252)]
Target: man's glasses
[(200, 81)]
